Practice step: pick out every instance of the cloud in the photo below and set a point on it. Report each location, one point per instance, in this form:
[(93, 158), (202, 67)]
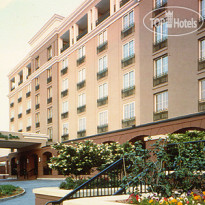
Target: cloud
[(5, 3)]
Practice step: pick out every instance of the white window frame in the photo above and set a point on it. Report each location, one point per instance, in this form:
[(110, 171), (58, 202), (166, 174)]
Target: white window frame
[(28, 104), (12, 114), (29, 122), (64, 63), (49, 112), (128, 51), (104, 88), (49, 92), (129, 115), (164, 102), (20, 94), (49, 72), (201, 98), (163, 69), (20, 109), (130, 83), (102, 38), (50, 132), (37, 99), (81, 52), (64, 106), (163, 36), (81, 75), (202, 10), (103, 118), (37, 117), (65, 129), (20, 125), (82, 124), (130, 23), (81, 99), (104, 63), (65, 84), (29, 88)]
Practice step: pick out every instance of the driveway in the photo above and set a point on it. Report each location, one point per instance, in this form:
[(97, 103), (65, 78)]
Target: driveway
[(28, 197)]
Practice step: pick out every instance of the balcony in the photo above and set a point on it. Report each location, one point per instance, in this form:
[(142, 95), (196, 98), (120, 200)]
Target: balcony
[(20, 82), (80, 60), (83, 33), (64, 71), (128, 122), (159, 8), (201, 105), (123, 2), (49, 58), (160, 44), (128, 60), (28, 94), (102, 73), (81, 84), (28, 128), (37, 106), (102, 101), (20, 115), (49, 79), (81, 109), (201, 23), (127, 31), (20, 130), (37, 67), (160, 115), (12, 88), (102, 128), (102, 47), (81, 133), (64, 93), (102, 18), (128, 91), (49, 100), (12, 119), (37, 87), (37, 124), (49, 120), (201, 64), (160, 79), (64, 115), (19, 99), (11, 105), (64, 137), (28, 111), (65, 46)]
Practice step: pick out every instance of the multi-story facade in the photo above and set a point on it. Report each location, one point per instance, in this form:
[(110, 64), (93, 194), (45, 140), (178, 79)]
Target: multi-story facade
[(100, 70)]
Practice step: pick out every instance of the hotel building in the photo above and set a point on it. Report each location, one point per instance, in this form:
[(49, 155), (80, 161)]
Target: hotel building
[(100, 74)]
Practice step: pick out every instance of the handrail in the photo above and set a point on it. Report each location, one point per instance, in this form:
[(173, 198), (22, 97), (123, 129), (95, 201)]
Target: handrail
[(106, 171)]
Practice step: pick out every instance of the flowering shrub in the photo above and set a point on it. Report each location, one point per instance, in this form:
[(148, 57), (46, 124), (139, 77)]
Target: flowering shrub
[(153, 199), (80, 158)]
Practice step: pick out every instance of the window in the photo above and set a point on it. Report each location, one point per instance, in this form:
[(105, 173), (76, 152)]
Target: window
[(129, 111), (28, 104), (20, 94), (49, 90), (161, 66), (37, 117), (49, 113), (49, 51), (159, 3), (82, 124), (50, 133), (103, 118), (12, 128), (12, 114), (20, 77), (161, 102), (81, 100), (29, 88), (12, 83), (65, 107), (202, 90), (49, 72), (103, 91), (65, 63), (128, 80), (37, 81), (102, 65), (160, 31), (103, 38), (65, 129), (202, 49), (65, 84), (128, 20), (81, 75), (20, 126), (37, 99), (81, 52), (202, 8), (29, 122), (37, 63), (128, 49), (20, 109)]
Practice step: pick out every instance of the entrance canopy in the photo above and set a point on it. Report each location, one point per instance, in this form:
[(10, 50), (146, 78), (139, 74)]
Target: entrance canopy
[(19, 140)]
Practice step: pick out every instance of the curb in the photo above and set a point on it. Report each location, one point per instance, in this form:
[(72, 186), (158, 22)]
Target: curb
[(15, 196)]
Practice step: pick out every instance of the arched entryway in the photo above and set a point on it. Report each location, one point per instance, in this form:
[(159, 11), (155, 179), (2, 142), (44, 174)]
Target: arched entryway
[(14, 166), (23, 166), (46, 159), (33, 166), (185, 129), (139, 138)]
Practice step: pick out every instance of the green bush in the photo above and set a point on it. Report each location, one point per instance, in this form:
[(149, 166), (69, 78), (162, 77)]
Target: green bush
[(7, 190)]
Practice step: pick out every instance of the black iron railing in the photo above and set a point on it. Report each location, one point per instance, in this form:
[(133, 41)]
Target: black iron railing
[(49, 100), (201, 63), (49, 79), (160, 44), (19, 99), (102, 128), (159, 8), (65, 46), (11, 105), (64, 71), (201, 105), (128, 30), (128, 122), (80, 60), (20, 115), (81, 84), (106, 183), (102, 47), (20, 82), (128, 60), (128, 91), (159, 79), (28, 94), (37, 106), (28, 111), (37, 87), (81, 109), (82, 34), (102, 101), (64, 93), (81, 133), (102, 73), (160, 115), (103, 17), (123, 2), (28, 128), (64, 115)]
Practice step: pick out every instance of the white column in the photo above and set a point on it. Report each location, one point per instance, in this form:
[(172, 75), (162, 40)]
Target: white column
[(71, 35), (117, 5), (94, 16), (60, 45), (76, 30), (89, 20), (111, 7)]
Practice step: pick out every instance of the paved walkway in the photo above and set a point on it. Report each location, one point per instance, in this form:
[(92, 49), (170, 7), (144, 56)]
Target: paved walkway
[(28, 197)]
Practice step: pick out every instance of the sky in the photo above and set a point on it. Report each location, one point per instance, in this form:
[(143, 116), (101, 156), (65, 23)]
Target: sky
[(20, 20)]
